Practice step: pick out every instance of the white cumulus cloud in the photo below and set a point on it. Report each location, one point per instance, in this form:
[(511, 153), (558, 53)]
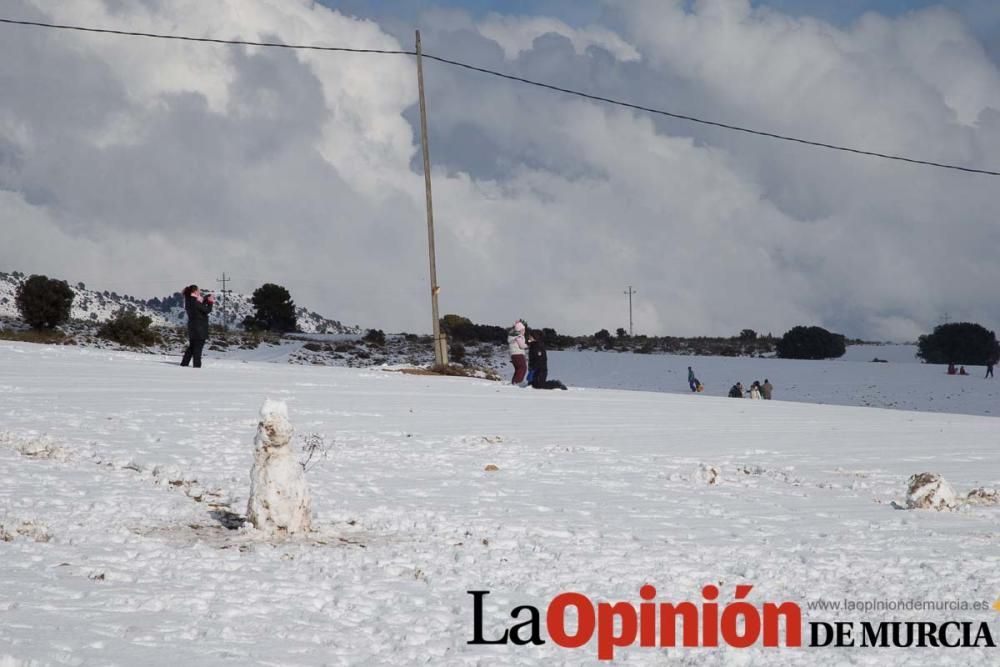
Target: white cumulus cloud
[(142, 165)]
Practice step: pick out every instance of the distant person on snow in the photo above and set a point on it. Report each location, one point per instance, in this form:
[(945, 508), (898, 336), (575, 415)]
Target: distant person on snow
[(989, 367), (755, 390), (197, 309), (961, 371), (736, 391), (951, 369), (692, 380), (517, 345), (766, 389), (538, 363)]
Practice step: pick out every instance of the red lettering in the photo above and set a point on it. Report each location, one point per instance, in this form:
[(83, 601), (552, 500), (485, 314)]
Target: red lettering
[(710, 617), (751, 620), (668, 624), (607, 640), (555, 620), (793, 623), (647, 617)]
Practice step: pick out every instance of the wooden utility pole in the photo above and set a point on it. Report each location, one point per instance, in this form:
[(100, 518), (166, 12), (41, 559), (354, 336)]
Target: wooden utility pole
[(630, 292), (440, 342)]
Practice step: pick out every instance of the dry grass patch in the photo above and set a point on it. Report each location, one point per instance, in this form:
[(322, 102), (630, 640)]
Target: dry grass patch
[(452, 370), (44, 337)]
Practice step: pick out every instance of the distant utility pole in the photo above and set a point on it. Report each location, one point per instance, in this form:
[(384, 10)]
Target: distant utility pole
[(224, 292), (630, 292), (440, 343)]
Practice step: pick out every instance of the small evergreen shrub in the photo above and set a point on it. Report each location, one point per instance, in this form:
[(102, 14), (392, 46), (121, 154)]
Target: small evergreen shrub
[(375, 337), (129, 329), (803, 342), (44, 302)]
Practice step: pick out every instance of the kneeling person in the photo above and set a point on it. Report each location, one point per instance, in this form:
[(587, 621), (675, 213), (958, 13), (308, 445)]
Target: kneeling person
[(538, 364)]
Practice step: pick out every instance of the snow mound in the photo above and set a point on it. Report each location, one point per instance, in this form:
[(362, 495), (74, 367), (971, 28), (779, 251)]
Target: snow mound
[(11, 661), (983, 496), (929, 490), (279, 502), (36, 448), (708, 474), (31, 530)]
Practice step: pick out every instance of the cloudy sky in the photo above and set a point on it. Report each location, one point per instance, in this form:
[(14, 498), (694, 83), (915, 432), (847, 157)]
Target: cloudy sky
[(140, 165)]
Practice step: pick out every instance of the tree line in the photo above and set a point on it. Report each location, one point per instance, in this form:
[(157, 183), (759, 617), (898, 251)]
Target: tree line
[(45, 303), (959, 343)]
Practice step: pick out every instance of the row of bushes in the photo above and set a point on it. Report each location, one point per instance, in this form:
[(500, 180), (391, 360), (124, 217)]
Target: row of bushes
[(798, 343), (959, 343)]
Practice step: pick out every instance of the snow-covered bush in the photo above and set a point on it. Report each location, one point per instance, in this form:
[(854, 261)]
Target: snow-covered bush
[(983, 496)]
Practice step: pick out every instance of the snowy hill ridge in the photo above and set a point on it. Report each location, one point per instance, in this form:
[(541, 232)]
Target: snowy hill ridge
[(95, 306)]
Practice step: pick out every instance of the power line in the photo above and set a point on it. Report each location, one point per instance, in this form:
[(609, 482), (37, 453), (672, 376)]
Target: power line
[(185, 38), (519, 79), (693, 119)]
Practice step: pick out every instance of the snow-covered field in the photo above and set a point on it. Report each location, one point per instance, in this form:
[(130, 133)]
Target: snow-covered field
[(119, 473), (903, 383)]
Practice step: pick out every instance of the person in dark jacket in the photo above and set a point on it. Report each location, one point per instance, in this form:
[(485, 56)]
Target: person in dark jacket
[(197, 309), (538, 364), (736, 391)]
